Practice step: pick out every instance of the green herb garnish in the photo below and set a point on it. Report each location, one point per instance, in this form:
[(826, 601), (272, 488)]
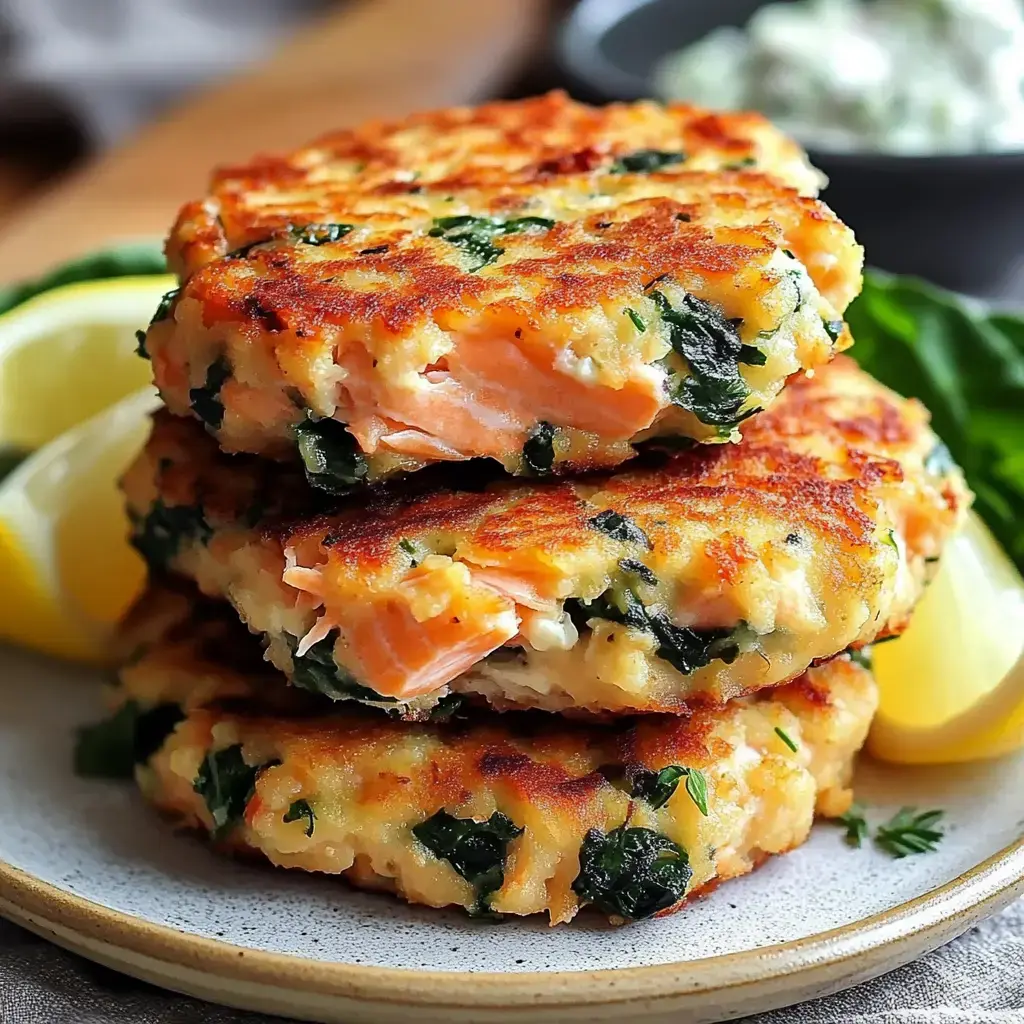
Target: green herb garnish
[(299, 810), (657, 787), (638, 320), (786, 738), (909, 831), (634, 567), (475, 849), (631, 872), (645, 161), (856, 825), (330, 455), (227, 784), (206, 403)]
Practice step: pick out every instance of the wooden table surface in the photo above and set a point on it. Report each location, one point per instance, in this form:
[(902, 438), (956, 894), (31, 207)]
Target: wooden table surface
[(374, 58)]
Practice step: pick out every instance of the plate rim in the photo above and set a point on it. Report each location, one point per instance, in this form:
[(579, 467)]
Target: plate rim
[(940, 914)]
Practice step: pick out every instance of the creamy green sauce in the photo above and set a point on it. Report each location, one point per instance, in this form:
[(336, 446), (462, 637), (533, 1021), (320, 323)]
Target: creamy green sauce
[(893, 76)]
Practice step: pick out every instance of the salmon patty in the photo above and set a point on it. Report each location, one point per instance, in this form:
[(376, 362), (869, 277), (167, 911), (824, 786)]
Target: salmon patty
[(537, 282), (705, 575), (521, 813)]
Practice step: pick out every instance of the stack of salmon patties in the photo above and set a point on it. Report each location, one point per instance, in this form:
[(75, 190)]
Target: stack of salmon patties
[(516, 534)]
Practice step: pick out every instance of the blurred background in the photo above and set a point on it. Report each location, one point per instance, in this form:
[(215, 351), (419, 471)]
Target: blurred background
[(113, 111)]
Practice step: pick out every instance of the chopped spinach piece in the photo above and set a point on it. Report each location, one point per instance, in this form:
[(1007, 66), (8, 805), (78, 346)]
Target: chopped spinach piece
[(786, 738), (448, 707), (475, 235), (657, 787), (330, 455), (833, 328), (110, 749), (301, 809), (638, 320), (684, 648), (539, 450), (619, 527), (752, 356), (140, 344), (475, 849), (645, 161), (318, 672), (306, 234), (739, 165), (206, 401), (412, 550), (161, 532), (631, 872), (163, 308), (860, 656), (227, 784), (712, 389), (634, 567)]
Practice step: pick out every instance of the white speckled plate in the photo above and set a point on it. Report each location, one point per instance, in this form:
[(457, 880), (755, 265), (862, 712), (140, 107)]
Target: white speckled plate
[(88, 865)]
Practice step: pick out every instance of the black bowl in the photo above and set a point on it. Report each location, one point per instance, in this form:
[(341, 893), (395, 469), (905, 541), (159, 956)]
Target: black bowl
[(956, 220)]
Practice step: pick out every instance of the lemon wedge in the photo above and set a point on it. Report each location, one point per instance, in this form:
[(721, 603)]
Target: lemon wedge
[(952, 686), (67, 572), (71, 352)]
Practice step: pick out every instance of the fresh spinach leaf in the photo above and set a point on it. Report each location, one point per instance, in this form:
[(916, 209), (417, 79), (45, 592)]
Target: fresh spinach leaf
[(206, 403), (227, 784), (111, 748), (330, 455), (299, 810), (539, 450), (967, 367), (646, 161), (752, 356), (475, 235), (712, 388), (318, 672), (475, 849), (631, 873), (619, 527), (684, 648), (159, 534)]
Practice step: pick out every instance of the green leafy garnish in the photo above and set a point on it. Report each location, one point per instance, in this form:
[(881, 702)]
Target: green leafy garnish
[(142, 259), (786, 738), (909, 831), (619, 527), (634, 567), (860, 656), (631, 872), (160, 533), (412, 550), (657, 787), (140, 345), (712, 388), (110, 749), (206, 401), (306, 234), (318, 672), (475, 849), (638, 320), (475, 235), (644, 161), (856, 825), (967, 367), (752, 356), (330, 455), (684, 648), (539, 450), (163, 308), (300, 809), (227, 784)]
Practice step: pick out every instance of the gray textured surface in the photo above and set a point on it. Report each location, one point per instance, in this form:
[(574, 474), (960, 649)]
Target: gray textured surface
[(977, 978)]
